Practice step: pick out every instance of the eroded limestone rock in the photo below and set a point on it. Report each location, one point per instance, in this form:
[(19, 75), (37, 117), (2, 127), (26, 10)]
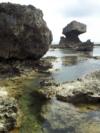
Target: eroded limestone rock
[(86, 90), (74, 27), (23, 32), (8, 114), (71, 39)]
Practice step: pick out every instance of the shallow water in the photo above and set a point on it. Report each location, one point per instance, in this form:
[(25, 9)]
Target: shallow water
[(66, 118), (55, 116), (96, 51), (70, 65)]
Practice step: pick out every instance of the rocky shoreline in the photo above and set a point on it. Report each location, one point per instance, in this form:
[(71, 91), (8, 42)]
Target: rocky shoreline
[(84, 90), (24, 40), (8, 111), (10, 92), (11, 89), (13, 68)]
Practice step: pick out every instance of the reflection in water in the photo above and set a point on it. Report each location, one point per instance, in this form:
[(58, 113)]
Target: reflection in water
[(71, 65), (74, 71), (72, 60), (55, 116), (68, 52), (96, 51), (63, 117), (69, 60)]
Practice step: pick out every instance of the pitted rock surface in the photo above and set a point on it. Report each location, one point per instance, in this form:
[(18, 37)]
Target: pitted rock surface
[(71, 39), (8, 114), (23, 32)]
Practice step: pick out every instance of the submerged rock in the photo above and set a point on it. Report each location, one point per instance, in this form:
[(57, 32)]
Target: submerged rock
[(71, 39), (23, 32)]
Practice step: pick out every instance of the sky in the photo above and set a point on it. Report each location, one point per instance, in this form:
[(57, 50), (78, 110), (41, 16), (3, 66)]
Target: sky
[(58, 13)]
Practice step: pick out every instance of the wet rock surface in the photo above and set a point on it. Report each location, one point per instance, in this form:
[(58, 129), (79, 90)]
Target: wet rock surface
[(71, 39), (23, 32), (8, 114), (12, 68), (85, 90), (63, 117)]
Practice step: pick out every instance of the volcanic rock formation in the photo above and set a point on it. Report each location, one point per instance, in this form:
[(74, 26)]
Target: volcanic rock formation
[(23, 32), (71, 39)]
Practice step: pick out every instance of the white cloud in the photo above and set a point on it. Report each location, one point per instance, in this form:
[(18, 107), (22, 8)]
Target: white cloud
[(58, 13)]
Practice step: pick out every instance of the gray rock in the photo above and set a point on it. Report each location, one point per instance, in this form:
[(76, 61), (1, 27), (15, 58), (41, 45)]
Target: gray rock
[(79, 97), (71, 39), (8, 114), (76, 27), (23, 32), (86, 90)]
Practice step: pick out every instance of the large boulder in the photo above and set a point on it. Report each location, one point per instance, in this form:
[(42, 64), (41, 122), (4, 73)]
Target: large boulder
[(71, 39), (23, 32)]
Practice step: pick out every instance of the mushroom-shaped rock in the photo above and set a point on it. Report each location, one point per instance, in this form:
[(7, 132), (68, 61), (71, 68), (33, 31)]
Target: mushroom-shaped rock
[(23, 32), (74, 27), (71, 39)]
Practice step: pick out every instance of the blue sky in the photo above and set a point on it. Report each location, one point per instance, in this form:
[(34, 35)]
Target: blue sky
[(58, 13)]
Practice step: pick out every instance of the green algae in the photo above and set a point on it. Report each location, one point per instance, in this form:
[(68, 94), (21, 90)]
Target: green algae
[(23, 89), (31, 108), (56, 117)]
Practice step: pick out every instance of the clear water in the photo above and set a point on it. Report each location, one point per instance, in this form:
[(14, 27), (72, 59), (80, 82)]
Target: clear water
[(96, 51), (59, 117), (70, 65), (66, 118), (63, 117)]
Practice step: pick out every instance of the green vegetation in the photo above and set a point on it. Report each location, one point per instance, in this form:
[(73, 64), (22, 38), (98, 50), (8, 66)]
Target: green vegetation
[(31, 108)]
